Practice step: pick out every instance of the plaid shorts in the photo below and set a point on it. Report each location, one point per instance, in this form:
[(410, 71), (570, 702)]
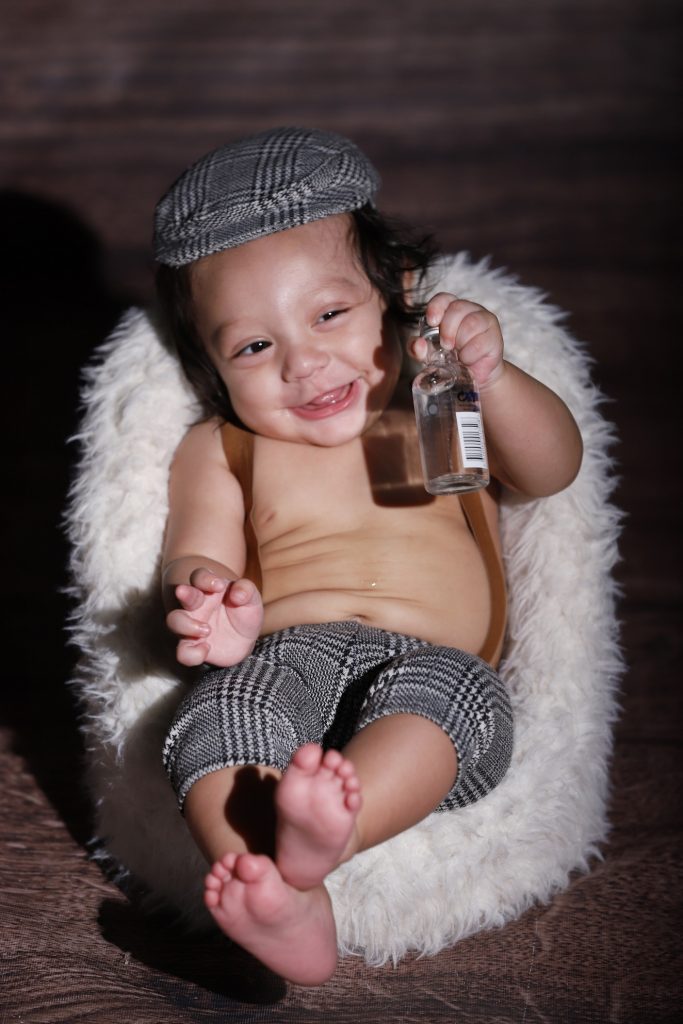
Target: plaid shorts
[(323, 683)]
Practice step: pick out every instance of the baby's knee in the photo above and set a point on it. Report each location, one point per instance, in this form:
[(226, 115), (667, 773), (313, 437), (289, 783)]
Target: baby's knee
[(247, 715), (482, 726), (466, 698)]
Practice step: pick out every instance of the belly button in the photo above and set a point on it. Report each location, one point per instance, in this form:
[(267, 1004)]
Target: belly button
[(370, 584)]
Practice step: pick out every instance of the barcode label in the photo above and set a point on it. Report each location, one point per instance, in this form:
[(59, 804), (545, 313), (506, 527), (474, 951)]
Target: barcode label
[(471, 437)]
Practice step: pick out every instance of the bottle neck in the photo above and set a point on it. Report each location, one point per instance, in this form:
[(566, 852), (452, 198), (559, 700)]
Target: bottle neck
[(436, 355)]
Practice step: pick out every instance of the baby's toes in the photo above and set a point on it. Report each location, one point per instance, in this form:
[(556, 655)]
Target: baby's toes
[(347, 771), (308, 758), (221, 871), (212, 898), (353, 800), (352, 784), (333, 760), (215, 881)]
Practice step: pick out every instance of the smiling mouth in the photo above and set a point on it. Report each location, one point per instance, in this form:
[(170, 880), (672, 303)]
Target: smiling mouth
[(328, 403)]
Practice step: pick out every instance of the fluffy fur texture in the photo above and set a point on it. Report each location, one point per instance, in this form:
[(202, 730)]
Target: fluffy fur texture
[(456, 872)]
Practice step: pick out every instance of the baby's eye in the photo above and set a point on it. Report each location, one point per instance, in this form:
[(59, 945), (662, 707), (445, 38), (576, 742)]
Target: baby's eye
[(254, 347), (331, 314)]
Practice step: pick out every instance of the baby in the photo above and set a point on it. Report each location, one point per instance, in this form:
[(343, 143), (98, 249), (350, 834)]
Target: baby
[(337, 609)]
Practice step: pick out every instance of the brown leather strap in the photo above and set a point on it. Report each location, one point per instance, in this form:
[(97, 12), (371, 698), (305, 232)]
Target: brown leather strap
[(239, 451), (473, 507)]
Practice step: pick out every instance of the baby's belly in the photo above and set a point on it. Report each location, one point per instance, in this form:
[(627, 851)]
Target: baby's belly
[(435, 590)]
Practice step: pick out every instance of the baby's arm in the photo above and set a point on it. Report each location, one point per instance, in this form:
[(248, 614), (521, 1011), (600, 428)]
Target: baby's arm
[(533, 442), (215, 611)]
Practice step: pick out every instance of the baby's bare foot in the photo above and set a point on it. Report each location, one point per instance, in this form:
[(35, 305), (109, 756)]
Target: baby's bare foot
[(291, 932), (317, 801)]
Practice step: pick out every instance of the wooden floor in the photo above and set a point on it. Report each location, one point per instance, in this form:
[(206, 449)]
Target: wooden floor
[(539, 133)]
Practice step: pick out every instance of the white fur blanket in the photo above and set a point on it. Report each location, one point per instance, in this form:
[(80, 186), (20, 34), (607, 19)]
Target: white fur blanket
[(455, 872)]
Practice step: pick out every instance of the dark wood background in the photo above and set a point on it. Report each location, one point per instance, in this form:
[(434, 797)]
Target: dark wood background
[(539, 132)]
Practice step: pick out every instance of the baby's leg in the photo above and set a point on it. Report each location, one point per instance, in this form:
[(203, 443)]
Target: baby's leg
[(426, 705), (233, 809), (260, 711), (406, 765), (322, 817), (291, 932)]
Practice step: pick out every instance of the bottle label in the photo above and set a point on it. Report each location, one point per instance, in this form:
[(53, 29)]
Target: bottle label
[(471, 437)]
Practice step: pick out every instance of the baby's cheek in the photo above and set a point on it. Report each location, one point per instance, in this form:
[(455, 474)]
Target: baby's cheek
[(391, 350)]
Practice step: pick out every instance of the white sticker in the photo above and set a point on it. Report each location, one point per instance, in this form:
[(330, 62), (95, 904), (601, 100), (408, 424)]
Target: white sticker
[(471, 438)]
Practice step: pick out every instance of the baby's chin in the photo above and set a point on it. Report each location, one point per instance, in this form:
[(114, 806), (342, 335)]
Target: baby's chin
[(330, 432), (324, 439), (328, 438)]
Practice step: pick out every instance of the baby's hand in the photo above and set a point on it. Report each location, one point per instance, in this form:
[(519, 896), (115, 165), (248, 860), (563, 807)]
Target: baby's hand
[(471, 330), (219, 620)]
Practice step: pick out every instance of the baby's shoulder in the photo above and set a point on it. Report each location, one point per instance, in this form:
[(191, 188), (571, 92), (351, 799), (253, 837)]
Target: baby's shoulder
[(206, 434), (202, 443)]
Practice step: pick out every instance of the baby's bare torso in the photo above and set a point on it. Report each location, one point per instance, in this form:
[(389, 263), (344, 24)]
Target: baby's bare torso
[(350, 533)]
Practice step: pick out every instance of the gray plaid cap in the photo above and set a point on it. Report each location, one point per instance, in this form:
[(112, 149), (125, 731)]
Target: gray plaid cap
[(265, 183)]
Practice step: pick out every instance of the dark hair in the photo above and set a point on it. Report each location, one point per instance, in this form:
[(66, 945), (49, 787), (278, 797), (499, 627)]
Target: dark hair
[(387, 250)]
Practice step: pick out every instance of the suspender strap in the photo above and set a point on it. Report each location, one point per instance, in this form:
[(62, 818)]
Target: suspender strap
[(239, 451), (473, 507)]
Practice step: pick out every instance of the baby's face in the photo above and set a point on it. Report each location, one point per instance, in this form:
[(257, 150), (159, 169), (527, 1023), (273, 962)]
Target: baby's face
[(298, 334)]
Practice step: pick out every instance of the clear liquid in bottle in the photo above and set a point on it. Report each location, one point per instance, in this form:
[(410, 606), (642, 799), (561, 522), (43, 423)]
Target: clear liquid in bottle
[(449, 423)]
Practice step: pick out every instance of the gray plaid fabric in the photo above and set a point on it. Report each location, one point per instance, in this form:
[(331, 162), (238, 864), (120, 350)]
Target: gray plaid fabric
[(265, 183), (323, 683)]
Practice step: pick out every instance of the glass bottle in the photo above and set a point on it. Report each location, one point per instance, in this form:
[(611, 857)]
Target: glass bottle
[(449, 423)]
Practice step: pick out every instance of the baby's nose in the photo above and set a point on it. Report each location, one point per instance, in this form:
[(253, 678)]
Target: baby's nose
[(303, 359)]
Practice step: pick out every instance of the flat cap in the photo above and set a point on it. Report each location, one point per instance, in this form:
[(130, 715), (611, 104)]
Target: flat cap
[(268, 182)]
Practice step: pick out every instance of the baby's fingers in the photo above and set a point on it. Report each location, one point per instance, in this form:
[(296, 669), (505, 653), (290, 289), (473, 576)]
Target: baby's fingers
[(461, 321), (182, 624), (418, 349), (189, 597), (243, 592), (191, 653), (437, 306), (208, 582)]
